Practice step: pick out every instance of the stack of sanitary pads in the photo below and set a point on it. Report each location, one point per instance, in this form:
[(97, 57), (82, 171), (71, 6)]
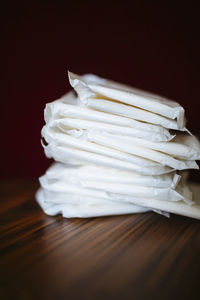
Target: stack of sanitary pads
[(117, 150)]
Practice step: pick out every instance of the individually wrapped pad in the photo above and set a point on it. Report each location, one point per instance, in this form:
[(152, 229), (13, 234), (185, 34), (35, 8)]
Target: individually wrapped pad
[(102, 189), (183, 146), (82, 175), (114, 138), (85, 210), (178, 207), (53, 136), (70, 123), (112, 208), (67, 107), (63, 147), (135, 190), (127, 147), (89, 86), (74, 156), (131, 112)]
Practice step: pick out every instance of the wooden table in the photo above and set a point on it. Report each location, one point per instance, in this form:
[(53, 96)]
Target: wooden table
[(144, 256)]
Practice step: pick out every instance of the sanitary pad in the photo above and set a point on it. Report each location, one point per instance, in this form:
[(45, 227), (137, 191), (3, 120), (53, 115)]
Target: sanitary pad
[(117, 150)]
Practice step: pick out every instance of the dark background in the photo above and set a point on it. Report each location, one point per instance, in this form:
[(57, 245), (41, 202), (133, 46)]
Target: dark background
[(153, 45)]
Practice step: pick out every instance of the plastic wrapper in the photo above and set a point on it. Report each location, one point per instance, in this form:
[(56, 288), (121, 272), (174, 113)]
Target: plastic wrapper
[(69, 107), (68, 152), (85, 210), (90, 88), (102, 189), (176, 207), (183, 146), (115, 148), (131, 112), (66, 124), (117, 151), (148, 153), (81, 175), (80, 206)]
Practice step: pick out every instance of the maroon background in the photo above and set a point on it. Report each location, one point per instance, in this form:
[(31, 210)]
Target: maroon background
[(154, 47)]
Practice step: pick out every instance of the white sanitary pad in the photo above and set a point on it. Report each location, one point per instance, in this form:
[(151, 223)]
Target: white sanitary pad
[(93, 87), (69, 149), (81, 206), (114, 147), (84, 209), (117, 151), (67, 107), (93, 173)]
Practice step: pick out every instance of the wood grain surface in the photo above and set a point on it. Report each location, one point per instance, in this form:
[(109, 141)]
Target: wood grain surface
[(144, 256)]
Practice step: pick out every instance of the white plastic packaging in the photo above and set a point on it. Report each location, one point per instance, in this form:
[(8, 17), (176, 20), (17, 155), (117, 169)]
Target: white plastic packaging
[(183, 146), (64, 147), (102, 189), (66, 124), (115, 153), (134, 149), (91, 87), (80, 206), (85, 210), (68, 107), (176, 207), (81, 175)]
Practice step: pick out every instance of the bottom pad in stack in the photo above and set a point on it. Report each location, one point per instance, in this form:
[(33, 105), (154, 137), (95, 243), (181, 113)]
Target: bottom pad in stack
[(117, 150)]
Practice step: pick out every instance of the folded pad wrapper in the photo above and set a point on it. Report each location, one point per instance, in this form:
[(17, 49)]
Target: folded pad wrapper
[(118, 150)]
